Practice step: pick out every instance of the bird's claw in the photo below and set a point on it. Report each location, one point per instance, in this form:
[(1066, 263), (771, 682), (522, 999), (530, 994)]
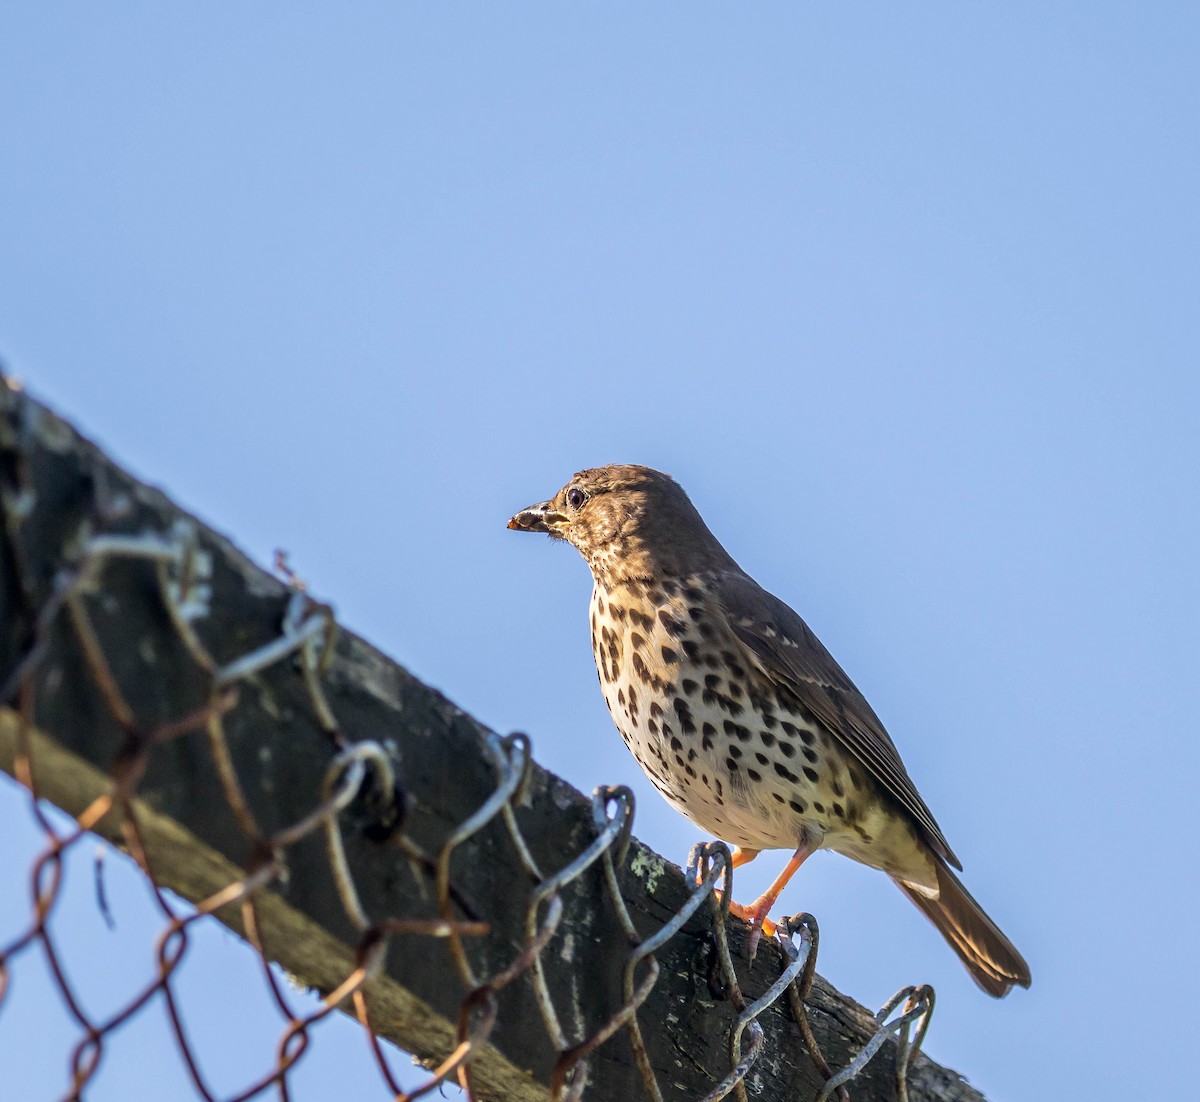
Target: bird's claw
[(756, 915)]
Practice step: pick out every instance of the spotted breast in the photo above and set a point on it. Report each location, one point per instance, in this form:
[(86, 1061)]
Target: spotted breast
[(737, 754)]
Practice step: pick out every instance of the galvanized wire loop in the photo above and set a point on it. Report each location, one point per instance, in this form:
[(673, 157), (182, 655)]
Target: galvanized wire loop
[(918, 1005)]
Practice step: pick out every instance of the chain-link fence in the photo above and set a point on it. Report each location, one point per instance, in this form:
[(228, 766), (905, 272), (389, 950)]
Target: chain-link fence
[(420, 872)]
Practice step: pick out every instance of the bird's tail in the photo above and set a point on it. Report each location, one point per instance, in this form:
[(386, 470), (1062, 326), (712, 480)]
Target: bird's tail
[(990, 957)]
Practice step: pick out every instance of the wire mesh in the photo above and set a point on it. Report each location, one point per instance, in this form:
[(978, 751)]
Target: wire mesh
[(358, 771)]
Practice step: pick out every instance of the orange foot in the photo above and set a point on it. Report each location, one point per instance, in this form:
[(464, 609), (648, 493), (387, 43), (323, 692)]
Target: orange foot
[(756, 915)]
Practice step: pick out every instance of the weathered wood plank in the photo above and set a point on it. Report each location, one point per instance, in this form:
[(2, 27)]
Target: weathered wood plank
[(55, 483)]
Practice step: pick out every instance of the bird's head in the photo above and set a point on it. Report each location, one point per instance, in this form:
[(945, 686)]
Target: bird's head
[(626, 521)]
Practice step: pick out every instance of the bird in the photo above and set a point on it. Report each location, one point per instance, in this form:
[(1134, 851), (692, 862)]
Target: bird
[(741, 718)]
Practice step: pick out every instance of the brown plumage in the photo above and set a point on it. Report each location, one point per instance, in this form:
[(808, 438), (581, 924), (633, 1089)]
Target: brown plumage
[(738, 714)]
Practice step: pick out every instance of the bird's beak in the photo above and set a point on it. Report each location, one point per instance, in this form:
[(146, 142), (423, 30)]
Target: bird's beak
[(542, 517)]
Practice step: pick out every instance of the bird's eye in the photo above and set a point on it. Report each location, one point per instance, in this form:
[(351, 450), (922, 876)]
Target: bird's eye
[(576, 497)]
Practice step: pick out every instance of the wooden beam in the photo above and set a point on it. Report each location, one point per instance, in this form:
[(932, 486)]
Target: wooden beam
[(120, 615)]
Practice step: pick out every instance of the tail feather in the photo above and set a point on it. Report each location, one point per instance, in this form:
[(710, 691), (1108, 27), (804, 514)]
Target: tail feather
[(990, 957)]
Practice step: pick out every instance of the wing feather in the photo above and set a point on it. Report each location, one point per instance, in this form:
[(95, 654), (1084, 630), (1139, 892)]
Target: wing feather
[(786, 649)]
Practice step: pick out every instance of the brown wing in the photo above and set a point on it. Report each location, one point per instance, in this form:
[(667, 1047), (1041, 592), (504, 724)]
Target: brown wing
[(792, 656)]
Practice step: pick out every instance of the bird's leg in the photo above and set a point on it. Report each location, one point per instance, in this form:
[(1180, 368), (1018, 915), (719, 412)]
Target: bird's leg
[(756, 913), (744, 857), (739, 856)]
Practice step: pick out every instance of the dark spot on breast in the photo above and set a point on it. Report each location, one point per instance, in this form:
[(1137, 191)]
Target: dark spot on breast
[(675, 743), (776, 797), (637, 640), (684, 712), (600, 602), (666, 730), (762, 758), (754, 775), (787, 749), (818, 808), (669, 656), (811, 755), (802, 733), (736, 730), (693, 594), (656, 709), (640, 619), (621, 700), (812, 774), (797, 806), (839, 811), (653, 727), (696, 612), (768, 739), (670, 587), (731, 765), (735, 690), (669, 623), (640, 668), (712, 681), (838, 790), (708, 631), (691, 649), (786, 773), (735, 751), (730, 706), (688, 686)]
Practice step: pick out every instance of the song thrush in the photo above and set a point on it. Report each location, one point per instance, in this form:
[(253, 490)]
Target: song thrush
[(738, 714)]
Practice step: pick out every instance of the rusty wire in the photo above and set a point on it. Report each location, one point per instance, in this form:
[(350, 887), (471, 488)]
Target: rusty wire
[(307, 635)]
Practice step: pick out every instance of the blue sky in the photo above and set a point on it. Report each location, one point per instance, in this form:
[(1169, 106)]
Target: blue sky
[(905, 296)]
